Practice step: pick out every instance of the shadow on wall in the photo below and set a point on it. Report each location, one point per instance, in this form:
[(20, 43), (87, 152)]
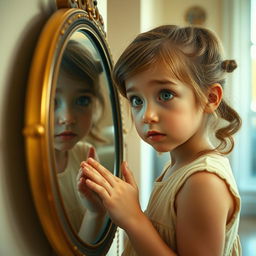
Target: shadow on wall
[(19, 206)]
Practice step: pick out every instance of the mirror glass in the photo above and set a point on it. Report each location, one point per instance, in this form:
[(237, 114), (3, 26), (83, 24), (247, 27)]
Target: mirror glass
[(83, 127)]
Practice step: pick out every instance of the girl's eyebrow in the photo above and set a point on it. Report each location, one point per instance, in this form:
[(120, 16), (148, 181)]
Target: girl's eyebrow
[(163, 81), (85, 90), (153, 82), (130, 90), (79, 90)]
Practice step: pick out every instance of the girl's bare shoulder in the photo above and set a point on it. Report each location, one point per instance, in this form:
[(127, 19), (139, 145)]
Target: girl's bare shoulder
[(205, 193)]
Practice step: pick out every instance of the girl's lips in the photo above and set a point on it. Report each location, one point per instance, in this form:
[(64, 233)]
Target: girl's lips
[(66, 135), (153, 133), (155, 136)]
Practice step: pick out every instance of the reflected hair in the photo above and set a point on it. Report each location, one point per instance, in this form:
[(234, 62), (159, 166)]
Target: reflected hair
[(194, 56)]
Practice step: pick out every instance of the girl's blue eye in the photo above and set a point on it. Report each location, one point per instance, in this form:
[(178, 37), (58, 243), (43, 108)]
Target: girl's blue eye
[(136, 101), (83, 101), (165, 95)]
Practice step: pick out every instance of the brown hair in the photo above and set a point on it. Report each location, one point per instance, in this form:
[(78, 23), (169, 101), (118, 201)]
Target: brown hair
[(194, 56)]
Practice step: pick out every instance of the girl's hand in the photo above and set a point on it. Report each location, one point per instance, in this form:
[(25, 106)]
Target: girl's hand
[(120, 197), (90, 199)]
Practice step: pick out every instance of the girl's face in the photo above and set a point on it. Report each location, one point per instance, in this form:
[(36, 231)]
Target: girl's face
[(164, 110), (73, 111)]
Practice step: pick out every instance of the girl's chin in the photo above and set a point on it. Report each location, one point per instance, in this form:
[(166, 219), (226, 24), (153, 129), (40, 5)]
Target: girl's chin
[(162, 149), (63, 148)]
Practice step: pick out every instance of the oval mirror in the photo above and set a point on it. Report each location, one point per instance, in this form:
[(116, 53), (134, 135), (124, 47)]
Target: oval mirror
[(72, 113)]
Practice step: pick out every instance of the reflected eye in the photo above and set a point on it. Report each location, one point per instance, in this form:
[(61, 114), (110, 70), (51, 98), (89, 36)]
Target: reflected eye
[(56, 103), (166, 95), (136, 101), (83, 101)]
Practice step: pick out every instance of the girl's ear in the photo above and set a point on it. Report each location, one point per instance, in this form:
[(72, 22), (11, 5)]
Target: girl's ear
[(214, 97)]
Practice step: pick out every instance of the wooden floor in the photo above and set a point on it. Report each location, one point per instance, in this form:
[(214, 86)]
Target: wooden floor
[(247, 233)]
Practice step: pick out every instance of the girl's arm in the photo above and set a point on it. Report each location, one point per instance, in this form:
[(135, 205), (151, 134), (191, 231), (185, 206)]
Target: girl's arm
[(204, 205), (146, 240), (92, 227)]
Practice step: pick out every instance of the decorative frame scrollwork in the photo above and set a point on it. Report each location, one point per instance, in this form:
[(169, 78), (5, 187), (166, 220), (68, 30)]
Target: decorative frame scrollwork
[(90, 7)]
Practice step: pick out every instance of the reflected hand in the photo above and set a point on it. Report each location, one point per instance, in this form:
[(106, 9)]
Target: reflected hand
[(90, 199), (120, 197)]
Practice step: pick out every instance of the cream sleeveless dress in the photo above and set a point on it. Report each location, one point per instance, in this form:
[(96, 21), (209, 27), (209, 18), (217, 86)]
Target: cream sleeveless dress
[(161, 209), (68, 185)]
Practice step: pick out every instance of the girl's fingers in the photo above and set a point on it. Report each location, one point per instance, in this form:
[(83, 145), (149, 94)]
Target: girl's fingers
[(79, 175), (111, 179), (97, 178), (128, 175), (82, 164), (82, 187), (101, 191)]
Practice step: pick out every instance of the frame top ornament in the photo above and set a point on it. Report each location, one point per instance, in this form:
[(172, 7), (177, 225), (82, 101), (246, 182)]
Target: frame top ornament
[(89, 6)]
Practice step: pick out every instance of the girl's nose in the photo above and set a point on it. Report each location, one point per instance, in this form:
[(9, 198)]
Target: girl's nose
[(150, 115), (66, 118), (66, 121)]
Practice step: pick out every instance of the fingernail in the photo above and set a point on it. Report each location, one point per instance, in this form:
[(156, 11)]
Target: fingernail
[(91, 159), (82, 164), (86, 167)]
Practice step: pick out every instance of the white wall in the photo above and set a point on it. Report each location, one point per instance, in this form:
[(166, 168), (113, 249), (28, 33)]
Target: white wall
[(212, 8), (159, 12), (123, 25)]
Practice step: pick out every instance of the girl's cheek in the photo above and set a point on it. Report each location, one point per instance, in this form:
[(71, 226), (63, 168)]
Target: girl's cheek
[(134, 116), (137, 119)]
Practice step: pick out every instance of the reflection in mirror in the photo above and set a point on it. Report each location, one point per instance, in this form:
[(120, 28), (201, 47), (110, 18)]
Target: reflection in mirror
[(83, 127)]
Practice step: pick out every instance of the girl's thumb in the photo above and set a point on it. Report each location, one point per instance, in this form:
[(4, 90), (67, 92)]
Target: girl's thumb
[(127, 174), (91, 153)]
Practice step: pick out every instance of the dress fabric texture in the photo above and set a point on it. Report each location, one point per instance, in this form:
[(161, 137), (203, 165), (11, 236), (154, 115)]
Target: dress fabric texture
[(161, 206), (68, 185)]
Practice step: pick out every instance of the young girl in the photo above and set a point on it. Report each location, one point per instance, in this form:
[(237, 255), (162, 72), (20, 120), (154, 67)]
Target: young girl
[(77, 91), (173, 78)]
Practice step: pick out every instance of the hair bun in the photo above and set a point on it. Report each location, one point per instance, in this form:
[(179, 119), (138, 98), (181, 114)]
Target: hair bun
[(229, 65)]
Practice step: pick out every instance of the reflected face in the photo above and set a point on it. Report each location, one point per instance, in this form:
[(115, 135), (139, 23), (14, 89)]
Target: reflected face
[(74, 102), (164, 110)]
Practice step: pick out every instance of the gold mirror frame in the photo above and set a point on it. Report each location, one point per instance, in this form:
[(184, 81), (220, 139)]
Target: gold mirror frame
[(73, 15)]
